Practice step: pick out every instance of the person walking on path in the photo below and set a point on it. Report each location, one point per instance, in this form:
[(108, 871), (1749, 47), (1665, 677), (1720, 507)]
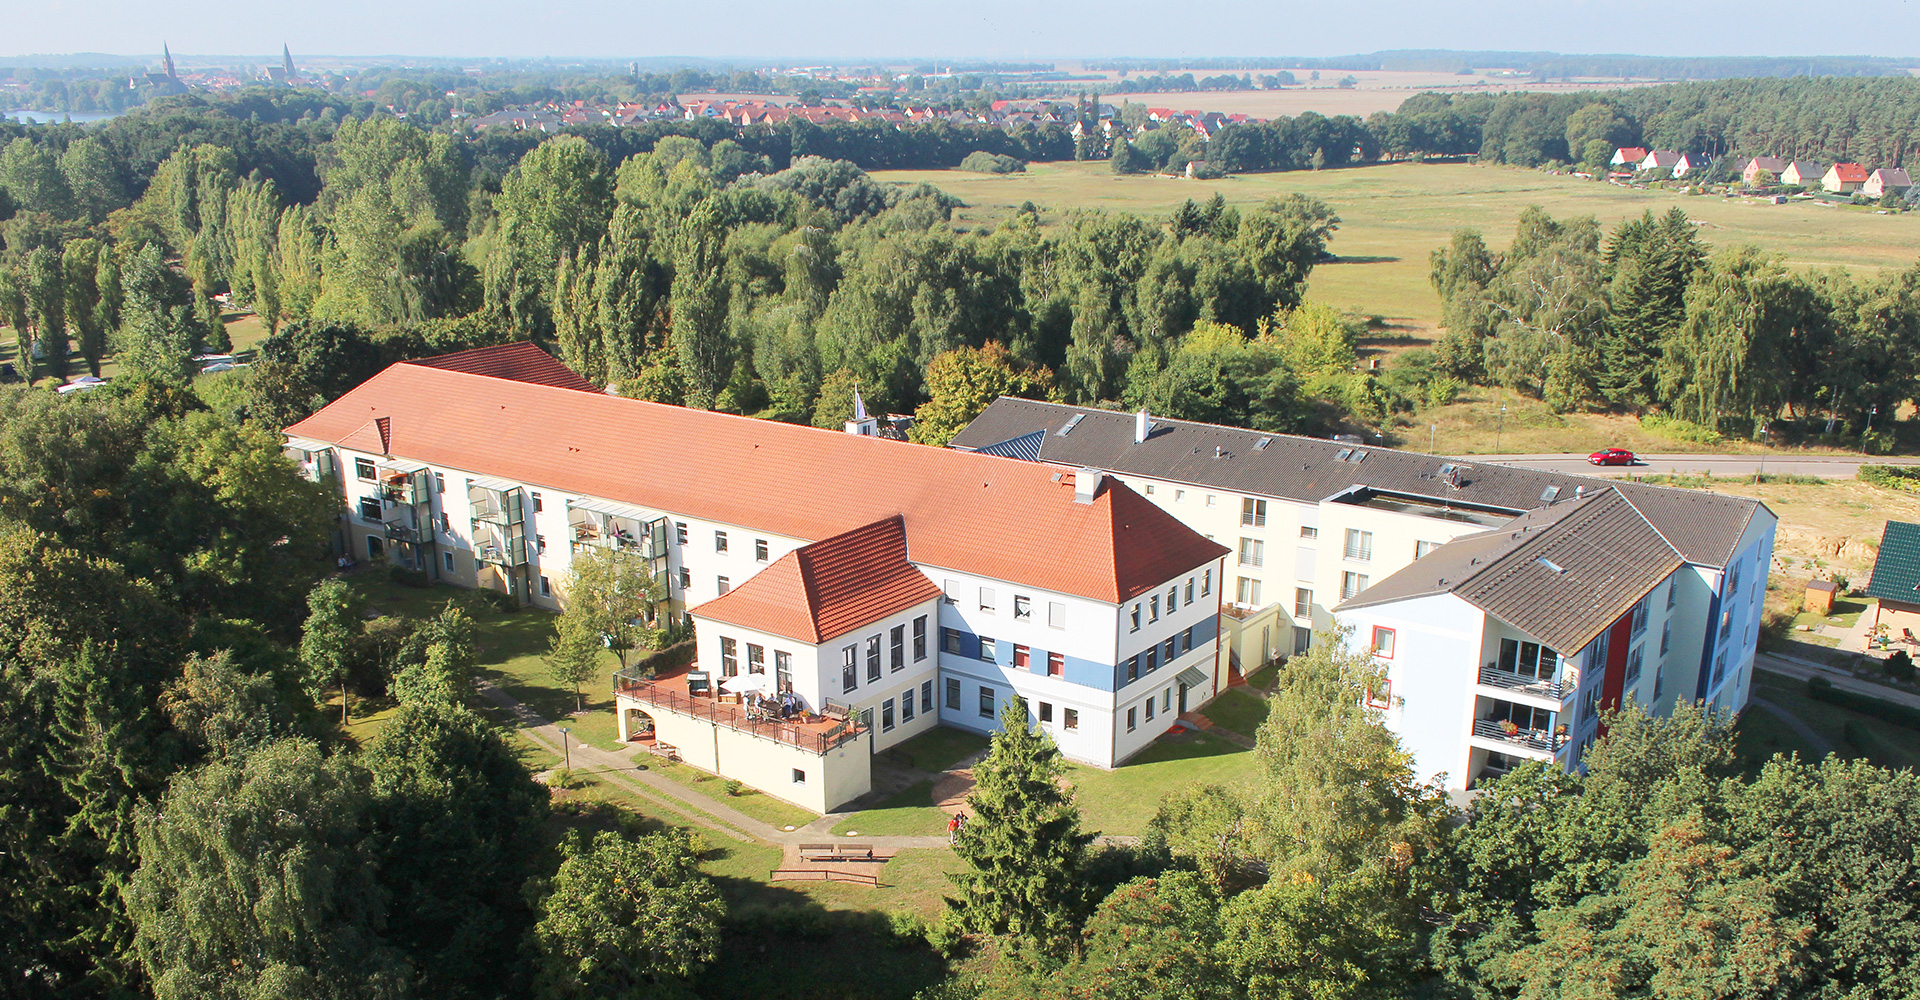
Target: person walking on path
[(953, 827)]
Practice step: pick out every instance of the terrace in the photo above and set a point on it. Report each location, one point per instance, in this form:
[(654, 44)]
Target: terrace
[(688, 692)]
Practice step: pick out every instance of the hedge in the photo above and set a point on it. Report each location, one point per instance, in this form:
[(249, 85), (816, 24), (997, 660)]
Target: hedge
[(1871, 745), (1821, 689), (1905, 478)]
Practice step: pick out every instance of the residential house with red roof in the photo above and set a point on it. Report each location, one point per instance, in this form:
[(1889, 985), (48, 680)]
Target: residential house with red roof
[(789, 545), (1844, 178)]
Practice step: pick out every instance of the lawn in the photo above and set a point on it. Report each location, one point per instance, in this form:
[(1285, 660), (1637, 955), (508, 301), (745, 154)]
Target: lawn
[(938, 749), (1237, 710), (906, 813), (758, 805), (1122, 800), (1898, 745), (1393, 215)]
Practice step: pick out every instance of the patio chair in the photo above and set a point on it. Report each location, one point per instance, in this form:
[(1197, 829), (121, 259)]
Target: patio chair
[(699, 683)]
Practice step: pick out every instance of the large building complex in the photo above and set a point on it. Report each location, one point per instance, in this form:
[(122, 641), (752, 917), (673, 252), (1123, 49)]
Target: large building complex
[(887, 587), (1509, 606)]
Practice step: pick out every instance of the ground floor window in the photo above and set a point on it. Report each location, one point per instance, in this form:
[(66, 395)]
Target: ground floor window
[(926, 697), (1046, 711), (1132, 721), (906, 706), (375, 547), (799, 776), (953, 694), (1149, 709), (986, 703), (546, 587), (447, 559), (886, 716), (1070, 718)]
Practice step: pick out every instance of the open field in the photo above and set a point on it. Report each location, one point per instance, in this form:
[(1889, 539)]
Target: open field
[(1374, 90), (1394, 215)]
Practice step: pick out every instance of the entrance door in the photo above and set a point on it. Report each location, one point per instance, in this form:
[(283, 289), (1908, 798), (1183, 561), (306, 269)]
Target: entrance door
[(1183, 699)]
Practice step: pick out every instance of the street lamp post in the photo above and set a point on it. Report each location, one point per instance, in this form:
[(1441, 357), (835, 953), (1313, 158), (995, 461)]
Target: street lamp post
[(1872, 411), (1432, 429), (1502, 429), (565, 747)]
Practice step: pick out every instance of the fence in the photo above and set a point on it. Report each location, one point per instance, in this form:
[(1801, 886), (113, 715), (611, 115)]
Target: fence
[(822, 875), (734, 717)]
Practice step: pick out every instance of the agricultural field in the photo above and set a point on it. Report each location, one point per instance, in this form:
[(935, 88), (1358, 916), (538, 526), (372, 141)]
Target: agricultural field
[(1393, 215), (1373, 90)]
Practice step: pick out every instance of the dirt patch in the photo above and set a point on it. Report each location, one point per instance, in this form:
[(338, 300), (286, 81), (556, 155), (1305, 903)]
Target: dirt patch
[(950, 790)]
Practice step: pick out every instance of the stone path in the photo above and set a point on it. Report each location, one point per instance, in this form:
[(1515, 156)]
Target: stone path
[(1820, 744)]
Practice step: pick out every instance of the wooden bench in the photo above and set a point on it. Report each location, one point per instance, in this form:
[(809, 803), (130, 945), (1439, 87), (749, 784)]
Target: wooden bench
[(837, 852), (666, 750), (816, 852)]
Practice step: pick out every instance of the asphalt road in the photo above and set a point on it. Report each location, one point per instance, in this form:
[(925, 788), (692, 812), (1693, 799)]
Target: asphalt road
[(1725, 466)]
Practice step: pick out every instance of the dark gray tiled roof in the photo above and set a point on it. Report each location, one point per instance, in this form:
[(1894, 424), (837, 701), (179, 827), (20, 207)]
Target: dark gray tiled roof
[(1704, 527), (1561, 575)]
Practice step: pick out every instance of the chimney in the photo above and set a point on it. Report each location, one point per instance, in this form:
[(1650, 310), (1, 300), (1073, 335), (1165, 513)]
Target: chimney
[(1086, 484), (1141, 426)]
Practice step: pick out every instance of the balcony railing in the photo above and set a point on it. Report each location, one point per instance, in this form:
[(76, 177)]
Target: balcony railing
[(1532, 739), (1507, 680), (809, 737)]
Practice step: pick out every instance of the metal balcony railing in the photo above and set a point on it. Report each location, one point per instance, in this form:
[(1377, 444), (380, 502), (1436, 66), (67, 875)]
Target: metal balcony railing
[(1509, 681), (1532, 739), (812, 738)]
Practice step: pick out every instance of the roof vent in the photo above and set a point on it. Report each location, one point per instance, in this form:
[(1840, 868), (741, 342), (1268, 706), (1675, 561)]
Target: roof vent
[(1261, 445), (1341, 455), (1142, 426), (1072, 422), (1359, 456), (1219, 452), (1579, 491), (1547, 495), (1550, 564), (1086, 484)]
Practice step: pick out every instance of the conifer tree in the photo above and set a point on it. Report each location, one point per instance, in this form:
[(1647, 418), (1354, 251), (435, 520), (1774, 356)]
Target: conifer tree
[(1022, 842)]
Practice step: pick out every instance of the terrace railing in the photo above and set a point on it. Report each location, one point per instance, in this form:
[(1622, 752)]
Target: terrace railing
[(1507, 680), (1532, 739), (812, 740)]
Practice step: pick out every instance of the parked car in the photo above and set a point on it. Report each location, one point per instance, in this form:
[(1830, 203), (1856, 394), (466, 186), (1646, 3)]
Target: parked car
[(1612, 456)]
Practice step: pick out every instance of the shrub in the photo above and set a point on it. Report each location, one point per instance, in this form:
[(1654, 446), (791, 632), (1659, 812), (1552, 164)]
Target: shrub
[(1892, 477), (982, 162), (1821, 689), (734, 787), (1679, 430), (1900, 666)]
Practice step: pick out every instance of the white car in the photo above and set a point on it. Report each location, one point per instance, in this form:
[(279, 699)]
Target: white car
[(81, 384)]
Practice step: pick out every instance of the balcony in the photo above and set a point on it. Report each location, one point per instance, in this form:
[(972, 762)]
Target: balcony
[(599, 530), (1531, 739), (812, 732), (499, 546), (1507, 680)]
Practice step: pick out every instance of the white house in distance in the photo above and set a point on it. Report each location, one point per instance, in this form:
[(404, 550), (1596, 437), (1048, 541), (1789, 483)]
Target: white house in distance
[(1803, 173), (1886, 181), (1628, 156), (1316, 528), (1659, 159), (1691, 163), (1063, 588)]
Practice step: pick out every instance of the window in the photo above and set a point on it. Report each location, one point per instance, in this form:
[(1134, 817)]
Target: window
[(1420, 549), (1149, 489), (1666, 637), (363, 468), (1733, 579), (370, 508), (1253, 513), (719, 541), (1302, 602), (897, 648), (1166, 700), (1173, 598), (1726, 624), (1134, 616), (949, 640), (1171, 648), (1069, 718), (783, 666), (1382, 698), (987, 650), (926, 695), (1359, 544), (1020, 657), (919, 638), (1673, 593), (953, 694), (1308, 531), (1151, 662), (1253, 552), (849, 668), (756, 658), (1659, 680), (799, 776), (1153, 608), (1352, 584), (1189, 599), (1633, 665), (947, 593), (986, 703), (873, 658), (729, 657), (446, 523), (1186, 640), (447, 558), (886, 716), (1056, 664), (686, 578), (1149, 709), (1210, 499), (1133, 669), (1046, 711), (1133, 721), (1248, 592), (1206, 583), (1022, 607), (759, 550), (1382, 645), (1530, 659), (680, 532), (1179, 496), (537, 505), (987, 603), (439, 483), (1719, 667), (722, 584), (540, 544), (906, 705), (1640, 615), (1056, 614), (546, 587)]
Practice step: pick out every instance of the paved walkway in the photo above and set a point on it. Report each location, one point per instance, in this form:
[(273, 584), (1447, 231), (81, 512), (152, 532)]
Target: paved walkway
[(1802, 670), (1820, 744), (621, 769)]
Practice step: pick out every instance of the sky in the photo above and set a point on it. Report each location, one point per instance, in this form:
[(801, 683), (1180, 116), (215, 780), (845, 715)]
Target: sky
[(974, 29)]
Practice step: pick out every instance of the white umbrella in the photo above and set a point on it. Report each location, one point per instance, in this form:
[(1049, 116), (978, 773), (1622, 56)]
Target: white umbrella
[(743, 683)]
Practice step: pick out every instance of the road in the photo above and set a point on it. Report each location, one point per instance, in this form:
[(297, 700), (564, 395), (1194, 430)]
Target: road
[(1724, 466)]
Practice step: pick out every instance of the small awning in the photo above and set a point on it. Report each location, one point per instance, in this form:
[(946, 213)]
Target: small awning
[(398, 465), (306, 444), (609, 507), (1193, 677), (490, 483)]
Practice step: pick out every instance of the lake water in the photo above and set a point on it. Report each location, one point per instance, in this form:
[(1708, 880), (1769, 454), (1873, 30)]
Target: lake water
[(53, 117)]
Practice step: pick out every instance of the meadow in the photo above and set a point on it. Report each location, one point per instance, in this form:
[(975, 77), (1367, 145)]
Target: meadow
[(1393, 215)]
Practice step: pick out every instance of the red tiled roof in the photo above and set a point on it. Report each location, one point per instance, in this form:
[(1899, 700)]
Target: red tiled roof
[(1850, 172), (520, 361), (999, 518), (829, 588)]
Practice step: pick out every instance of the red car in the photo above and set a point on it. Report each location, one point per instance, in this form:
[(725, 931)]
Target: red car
[(1612, 456)]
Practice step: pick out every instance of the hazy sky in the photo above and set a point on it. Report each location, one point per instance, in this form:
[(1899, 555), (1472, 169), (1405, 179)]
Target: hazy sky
[(1011, 29)]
